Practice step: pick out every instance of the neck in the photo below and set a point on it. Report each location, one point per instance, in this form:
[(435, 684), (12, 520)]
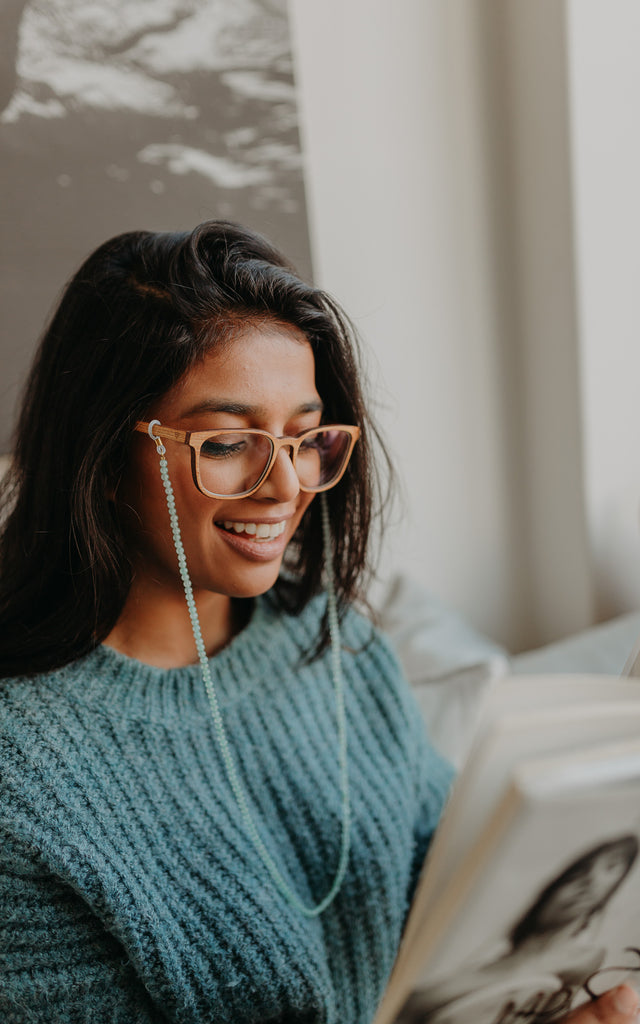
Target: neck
[(154, 626)]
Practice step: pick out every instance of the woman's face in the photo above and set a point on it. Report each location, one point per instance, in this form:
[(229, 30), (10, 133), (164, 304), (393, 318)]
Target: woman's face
[(581, 894), (263, 378)]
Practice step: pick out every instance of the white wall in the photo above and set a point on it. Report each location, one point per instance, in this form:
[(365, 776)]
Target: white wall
[(537, 218), (469, 210), (395, 179), (605, 101)]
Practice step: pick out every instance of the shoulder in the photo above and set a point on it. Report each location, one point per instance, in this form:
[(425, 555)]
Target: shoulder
[(29, 696), (39, 731), (372, 662), (24, 716), (22, 701), (362, 643), (24, 727), (375, 681)]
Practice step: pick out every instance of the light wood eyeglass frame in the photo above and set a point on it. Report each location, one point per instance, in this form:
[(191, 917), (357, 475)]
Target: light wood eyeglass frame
[(196, 438)]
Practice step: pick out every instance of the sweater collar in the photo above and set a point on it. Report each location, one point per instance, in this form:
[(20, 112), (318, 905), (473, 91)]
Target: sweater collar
[(119, 686)]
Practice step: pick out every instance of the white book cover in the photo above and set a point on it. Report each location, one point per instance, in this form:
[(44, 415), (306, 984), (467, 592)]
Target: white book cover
[(530, 901), (523, 717)]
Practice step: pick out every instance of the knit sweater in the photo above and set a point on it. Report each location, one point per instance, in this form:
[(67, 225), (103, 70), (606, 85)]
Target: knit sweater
[(130, 891)]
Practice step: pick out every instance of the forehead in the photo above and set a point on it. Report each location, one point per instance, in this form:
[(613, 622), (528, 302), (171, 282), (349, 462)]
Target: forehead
[(267, 366)]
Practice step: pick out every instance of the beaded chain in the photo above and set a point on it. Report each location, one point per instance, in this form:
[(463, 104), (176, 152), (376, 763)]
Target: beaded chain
[(221, 734)]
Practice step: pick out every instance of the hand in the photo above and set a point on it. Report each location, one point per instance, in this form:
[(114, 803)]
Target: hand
[(617, 1006)]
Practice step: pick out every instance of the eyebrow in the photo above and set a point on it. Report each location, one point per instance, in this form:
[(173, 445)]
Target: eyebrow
[(240, 409)]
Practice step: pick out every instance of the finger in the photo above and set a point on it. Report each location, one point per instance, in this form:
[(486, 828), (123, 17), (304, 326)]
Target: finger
[(617, 1006)]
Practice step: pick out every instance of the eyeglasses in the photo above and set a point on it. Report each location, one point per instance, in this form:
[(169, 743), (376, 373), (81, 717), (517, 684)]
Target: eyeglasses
[(608, 977), (235, 463)]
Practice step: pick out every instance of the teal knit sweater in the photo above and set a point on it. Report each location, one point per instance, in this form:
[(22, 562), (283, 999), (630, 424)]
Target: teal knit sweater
[(129, 889)]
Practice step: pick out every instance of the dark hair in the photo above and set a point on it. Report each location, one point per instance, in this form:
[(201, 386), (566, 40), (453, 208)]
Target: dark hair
[(140, 311), (529, 924)]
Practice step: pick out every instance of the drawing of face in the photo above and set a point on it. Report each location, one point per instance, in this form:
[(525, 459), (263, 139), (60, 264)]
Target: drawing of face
[(584, 888)]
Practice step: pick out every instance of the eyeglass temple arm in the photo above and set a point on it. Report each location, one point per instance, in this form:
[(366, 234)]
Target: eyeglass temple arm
[(185, 435), (168, 432)]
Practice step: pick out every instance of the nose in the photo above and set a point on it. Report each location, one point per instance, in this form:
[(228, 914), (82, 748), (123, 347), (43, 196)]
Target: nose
[(282, 483)]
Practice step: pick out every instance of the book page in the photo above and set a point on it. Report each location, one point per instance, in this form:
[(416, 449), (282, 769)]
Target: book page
[(524, 693), (512, 737), (544, 910)]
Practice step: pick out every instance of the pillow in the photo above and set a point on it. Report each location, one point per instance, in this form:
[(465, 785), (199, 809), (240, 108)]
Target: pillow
[(448, 663), (601, 650)]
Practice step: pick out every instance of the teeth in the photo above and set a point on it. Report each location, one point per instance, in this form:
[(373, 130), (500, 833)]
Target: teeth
[(261, 531)]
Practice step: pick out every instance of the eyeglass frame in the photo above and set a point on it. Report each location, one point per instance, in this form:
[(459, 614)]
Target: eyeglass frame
[(633, 969), (196, 438)]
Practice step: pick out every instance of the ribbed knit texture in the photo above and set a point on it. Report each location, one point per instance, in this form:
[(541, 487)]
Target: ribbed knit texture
[(129, 889)]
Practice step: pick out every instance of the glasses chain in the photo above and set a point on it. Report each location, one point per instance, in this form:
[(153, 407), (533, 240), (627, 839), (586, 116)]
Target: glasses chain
[(221, 734)]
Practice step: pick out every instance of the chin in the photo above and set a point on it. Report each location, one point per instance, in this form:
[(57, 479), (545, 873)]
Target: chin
[(248, 588)]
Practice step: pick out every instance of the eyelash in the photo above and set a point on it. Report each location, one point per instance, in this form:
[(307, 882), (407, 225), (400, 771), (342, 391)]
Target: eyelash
[(223, 451)]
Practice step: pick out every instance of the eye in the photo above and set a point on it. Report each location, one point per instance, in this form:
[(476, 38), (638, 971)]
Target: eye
[(312, 443), (217, 448), (323, 441)]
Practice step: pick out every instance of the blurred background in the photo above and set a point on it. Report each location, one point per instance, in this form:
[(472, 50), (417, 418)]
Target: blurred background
[(461, 174)]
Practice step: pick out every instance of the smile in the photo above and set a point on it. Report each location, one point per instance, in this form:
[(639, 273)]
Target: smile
[(258, 531)]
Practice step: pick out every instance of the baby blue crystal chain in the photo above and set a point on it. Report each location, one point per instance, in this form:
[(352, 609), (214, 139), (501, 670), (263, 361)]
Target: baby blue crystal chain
[(221, 734)]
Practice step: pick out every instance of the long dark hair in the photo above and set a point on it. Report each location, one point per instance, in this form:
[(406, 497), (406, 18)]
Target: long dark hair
[(140, 311), (529, 924)]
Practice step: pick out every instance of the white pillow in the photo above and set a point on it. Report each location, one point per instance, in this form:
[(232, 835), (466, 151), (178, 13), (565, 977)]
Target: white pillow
[(448, 663), (600, 650)]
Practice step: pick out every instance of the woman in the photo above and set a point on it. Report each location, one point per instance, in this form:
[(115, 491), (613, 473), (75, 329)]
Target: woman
[(193, 842)]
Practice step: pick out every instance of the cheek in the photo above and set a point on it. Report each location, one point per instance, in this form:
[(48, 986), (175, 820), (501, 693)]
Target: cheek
[(196, 514), (143, 499), (304, 503)]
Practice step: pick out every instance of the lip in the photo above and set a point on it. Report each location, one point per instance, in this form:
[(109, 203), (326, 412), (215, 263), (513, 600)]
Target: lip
[(270, 520), (256, 550)]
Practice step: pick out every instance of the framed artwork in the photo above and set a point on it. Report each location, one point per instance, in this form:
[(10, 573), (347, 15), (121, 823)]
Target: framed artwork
[(125, 114)]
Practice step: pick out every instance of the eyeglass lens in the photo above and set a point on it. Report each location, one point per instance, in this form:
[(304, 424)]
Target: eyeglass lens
[(232, 463)]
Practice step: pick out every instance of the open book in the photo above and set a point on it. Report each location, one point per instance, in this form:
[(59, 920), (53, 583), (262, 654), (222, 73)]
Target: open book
[(529, 901)]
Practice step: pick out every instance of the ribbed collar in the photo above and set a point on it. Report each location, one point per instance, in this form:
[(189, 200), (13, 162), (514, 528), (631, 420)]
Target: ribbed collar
[(120, 686)]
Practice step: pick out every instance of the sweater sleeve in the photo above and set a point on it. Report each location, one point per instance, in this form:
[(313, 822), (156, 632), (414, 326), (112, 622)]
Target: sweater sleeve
[(430, 773), (57, 961), (432, 780)]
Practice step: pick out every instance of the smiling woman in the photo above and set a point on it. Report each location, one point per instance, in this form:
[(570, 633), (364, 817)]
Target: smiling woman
[(215, 787), (235, 543), (202, 331), (190, 503)]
